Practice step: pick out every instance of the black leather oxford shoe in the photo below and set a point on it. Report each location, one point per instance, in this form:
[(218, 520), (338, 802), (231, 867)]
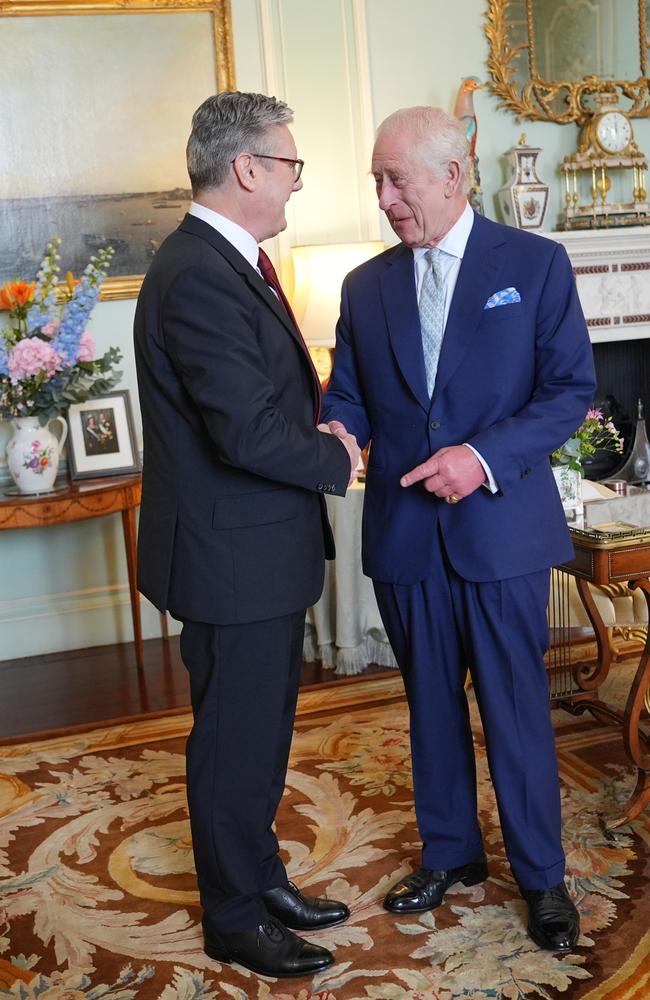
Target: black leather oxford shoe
[(303, 913), (553, 921), (425, 888), (270, 949)]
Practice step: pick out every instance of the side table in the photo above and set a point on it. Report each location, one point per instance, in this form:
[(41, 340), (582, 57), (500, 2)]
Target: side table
[(604, 558), (77, 502)]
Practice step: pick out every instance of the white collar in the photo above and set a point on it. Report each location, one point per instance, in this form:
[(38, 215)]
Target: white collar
[(240, 238), (455, 241)]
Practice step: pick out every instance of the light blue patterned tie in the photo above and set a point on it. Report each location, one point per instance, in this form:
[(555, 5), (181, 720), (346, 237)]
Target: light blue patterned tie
[(432, 314)]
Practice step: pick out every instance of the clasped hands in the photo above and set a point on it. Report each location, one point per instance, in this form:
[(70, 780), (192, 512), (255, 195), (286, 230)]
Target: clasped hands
[(450, 473), (338, 429)]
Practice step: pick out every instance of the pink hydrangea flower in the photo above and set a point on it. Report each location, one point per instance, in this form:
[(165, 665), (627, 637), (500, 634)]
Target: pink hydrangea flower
[(86, 347), (31, 356)]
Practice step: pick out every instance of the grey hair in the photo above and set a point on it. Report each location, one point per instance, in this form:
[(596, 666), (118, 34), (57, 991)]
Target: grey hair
[(227, 124), (439, 138)]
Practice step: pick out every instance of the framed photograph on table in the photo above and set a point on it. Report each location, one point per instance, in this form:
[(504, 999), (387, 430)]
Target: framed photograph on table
[(101, 437)]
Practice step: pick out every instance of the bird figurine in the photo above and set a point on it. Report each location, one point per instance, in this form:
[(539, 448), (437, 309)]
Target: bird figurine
[(464, 110)]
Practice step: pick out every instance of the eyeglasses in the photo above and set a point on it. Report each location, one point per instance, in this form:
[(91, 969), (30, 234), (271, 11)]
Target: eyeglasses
[(296, 165)]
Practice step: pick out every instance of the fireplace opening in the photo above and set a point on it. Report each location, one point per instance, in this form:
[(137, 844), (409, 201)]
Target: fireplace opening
[(623, 377)]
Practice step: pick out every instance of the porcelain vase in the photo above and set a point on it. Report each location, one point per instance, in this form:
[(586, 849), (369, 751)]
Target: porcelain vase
[(33, 453), (569, 484), (523, 199)]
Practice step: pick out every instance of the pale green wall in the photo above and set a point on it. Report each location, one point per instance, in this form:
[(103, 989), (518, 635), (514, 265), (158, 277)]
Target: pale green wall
[(343, 65)]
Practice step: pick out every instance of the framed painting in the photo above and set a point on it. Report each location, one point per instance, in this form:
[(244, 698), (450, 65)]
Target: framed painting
[(101, 439), (97, 101)]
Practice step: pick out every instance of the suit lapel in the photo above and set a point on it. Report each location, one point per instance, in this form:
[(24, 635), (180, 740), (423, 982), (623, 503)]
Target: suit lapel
[(399, 298), (477, 280), (257, 284)]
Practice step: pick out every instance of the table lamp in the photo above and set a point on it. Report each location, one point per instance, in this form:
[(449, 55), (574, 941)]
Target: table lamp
[(318, 271)]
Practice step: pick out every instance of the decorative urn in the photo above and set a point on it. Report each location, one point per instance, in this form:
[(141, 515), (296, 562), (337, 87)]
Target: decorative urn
[(523, 199)]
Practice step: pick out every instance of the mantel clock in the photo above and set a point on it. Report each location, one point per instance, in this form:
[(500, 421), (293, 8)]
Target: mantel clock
[(605, 179)]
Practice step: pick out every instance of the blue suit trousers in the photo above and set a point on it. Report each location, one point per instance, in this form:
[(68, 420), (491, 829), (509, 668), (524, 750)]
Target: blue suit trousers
[(439, 628)]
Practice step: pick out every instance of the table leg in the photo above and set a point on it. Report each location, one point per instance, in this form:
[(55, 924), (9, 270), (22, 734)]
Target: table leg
[(590, 678), (130, 543), (636, 740)]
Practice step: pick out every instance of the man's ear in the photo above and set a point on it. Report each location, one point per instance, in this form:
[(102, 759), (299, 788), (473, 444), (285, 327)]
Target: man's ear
[(246, 170), (451, 178)]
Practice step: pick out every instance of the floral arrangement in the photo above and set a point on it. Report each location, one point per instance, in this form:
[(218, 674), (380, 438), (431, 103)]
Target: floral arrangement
[(47, 357), (595, 432)]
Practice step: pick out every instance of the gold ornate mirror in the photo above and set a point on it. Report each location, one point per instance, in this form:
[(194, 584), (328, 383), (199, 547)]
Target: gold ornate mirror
[(549, 57)]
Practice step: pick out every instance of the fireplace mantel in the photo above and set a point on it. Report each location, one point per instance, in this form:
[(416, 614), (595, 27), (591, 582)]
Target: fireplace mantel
[(612, 269)]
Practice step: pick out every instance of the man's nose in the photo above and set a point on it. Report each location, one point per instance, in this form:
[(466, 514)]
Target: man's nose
[(386, 198)]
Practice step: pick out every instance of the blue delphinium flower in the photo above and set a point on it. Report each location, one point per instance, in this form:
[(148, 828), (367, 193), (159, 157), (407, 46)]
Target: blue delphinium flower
[(80, 306), (4, 357)]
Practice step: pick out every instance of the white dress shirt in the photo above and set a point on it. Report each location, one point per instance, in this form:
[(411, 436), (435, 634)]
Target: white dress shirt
[(453, 246), (240, 238)]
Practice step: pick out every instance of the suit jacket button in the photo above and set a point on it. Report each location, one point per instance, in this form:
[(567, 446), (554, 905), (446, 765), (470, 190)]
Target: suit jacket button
[(435, 424), (320, 487)]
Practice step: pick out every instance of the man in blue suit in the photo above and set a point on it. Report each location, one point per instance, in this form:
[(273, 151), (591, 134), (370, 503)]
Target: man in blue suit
[(463, 356)]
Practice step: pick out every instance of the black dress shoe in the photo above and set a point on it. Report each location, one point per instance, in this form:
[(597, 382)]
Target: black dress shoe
[(553, 921), (303, 913), (270, 949), (424, 889)]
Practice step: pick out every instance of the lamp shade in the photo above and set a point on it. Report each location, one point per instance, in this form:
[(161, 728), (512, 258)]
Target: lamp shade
[(318, 272)]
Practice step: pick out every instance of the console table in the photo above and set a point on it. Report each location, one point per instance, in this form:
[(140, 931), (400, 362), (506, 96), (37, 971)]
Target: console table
[(605, 558), (78, 502)]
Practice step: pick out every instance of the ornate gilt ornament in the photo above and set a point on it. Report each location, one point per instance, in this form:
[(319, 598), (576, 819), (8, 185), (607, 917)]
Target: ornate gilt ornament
[(556, 100), (128, 286)]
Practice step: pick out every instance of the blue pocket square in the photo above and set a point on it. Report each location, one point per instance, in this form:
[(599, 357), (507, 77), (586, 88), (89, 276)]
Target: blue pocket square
[(503, 298)]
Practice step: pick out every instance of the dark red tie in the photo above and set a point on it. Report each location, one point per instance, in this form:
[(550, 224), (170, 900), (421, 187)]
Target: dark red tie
[(269, 274)]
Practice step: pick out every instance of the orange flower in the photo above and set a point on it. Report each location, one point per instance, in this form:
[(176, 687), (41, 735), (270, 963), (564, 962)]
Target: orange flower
[(71, 281), (44, 461), (15, 294)]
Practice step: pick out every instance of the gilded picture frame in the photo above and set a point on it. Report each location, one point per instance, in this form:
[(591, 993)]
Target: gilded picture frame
[(513, 57), (97, 105)]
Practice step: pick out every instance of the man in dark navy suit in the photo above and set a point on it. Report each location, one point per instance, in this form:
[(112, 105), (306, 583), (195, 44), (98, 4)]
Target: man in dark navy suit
[(233, 524), (463, 356)]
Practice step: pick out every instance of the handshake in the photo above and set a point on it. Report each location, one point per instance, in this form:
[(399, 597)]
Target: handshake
[(349, 441)]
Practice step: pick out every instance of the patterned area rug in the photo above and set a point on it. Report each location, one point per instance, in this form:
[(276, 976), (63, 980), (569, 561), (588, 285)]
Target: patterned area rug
[(97, 889)]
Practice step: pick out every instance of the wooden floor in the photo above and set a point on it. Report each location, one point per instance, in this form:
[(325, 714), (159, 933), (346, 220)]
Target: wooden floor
[(41, 694)]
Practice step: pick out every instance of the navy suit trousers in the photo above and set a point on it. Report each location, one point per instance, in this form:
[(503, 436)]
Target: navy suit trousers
[(244, 686), (439, 628)]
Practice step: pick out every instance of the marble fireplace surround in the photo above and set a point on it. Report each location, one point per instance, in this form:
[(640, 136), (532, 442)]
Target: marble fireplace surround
[(612, 269)]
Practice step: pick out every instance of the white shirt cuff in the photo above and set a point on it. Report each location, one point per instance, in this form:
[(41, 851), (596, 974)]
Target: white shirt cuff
[(491, 484)]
